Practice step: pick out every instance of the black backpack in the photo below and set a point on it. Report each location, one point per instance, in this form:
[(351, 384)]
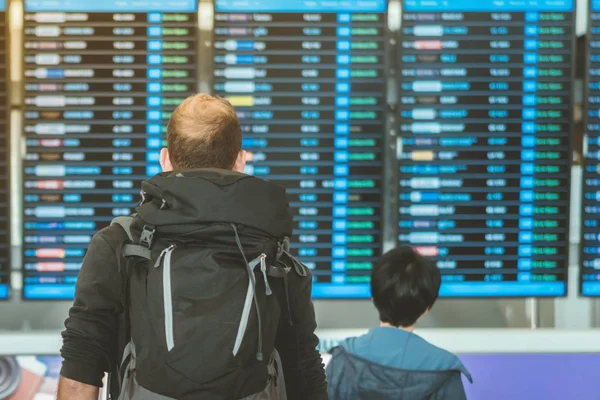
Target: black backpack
[(204, 249)]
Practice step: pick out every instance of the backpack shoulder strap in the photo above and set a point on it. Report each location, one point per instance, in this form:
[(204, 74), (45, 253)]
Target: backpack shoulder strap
[(131, 249), (125, 223)]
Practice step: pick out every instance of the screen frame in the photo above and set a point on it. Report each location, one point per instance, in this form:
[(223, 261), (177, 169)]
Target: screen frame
[(572, 64), (7, 153), (585, 106), (389, 62), (21, 249)]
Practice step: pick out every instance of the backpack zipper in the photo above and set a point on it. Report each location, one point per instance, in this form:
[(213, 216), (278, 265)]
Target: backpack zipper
[(244, 319), (162, 255), (250, 269), (165, 257), (248, 305), (263, 268)]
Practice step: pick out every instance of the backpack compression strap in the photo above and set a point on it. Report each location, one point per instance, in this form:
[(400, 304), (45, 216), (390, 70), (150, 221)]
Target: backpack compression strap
[(131, 249), (283, 265)]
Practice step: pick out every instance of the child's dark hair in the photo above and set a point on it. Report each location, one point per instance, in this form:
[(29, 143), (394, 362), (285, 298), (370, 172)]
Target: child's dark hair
[(404, 285)]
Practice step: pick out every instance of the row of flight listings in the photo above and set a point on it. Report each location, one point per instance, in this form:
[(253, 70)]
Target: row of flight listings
[(480, 176)]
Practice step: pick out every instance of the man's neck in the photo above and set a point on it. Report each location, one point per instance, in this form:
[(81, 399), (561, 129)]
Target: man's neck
[(404, 328)]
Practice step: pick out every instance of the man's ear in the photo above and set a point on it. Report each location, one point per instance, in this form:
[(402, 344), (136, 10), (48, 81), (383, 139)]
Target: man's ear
[(240, 162), (165, 161)]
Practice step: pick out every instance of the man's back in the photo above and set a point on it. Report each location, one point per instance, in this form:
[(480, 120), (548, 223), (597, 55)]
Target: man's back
[(195, 236)]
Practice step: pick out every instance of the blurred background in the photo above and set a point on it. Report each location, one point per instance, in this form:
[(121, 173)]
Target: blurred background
[(369, 113)]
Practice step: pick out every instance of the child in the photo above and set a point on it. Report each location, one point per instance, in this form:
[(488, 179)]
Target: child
[(391, 362)]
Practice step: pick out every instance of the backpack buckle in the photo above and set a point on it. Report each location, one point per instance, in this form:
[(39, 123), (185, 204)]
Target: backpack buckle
[(282, 247), (147, 236), (164, 204), (144, 198), (286, 244)]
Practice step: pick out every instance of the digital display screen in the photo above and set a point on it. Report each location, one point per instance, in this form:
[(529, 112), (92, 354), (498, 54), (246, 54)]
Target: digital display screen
[(4, 164), (307, 79), (484, 149), (101, 80), (590, 270)]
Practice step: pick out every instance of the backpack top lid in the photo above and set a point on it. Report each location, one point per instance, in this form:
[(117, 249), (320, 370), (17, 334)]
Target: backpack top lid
[(212, 195)]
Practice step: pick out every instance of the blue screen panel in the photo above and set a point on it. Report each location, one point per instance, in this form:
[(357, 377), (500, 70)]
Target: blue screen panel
[(484, 154), (590, 271), (2, 5), (489, 5), (470, 289), (142, 6), (307, 79), (301, 6), (101, 80)]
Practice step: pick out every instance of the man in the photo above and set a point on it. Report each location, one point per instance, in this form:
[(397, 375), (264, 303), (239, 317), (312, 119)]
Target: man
[(204, 132), (391, 362)]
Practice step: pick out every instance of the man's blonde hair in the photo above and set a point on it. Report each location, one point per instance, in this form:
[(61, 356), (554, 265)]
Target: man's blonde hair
[(204, 132)]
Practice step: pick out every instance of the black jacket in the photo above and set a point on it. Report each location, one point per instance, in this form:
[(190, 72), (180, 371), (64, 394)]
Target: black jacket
[(91, 341)]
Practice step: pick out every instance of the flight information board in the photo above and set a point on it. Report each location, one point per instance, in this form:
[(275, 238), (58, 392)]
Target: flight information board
[(101, 79), (4, 160), (484, 154), (307, 79), (590, 279)]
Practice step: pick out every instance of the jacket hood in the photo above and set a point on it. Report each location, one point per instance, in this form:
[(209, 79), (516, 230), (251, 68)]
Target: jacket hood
[(390, 363), (213, 195), (400, 349), (352, 377)]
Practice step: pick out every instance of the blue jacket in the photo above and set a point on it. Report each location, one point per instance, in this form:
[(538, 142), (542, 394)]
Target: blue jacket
[(390, 363)]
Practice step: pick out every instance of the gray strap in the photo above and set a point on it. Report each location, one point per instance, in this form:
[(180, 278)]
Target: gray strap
[(128, 366), (280, 382), (125, 223), (275, 389), (131, 250), (127, 352), (134, 250), (131, 389)]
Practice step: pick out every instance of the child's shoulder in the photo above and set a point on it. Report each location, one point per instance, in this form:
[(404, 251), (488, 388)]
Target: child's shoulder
[(416, 341), (431, 357)]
